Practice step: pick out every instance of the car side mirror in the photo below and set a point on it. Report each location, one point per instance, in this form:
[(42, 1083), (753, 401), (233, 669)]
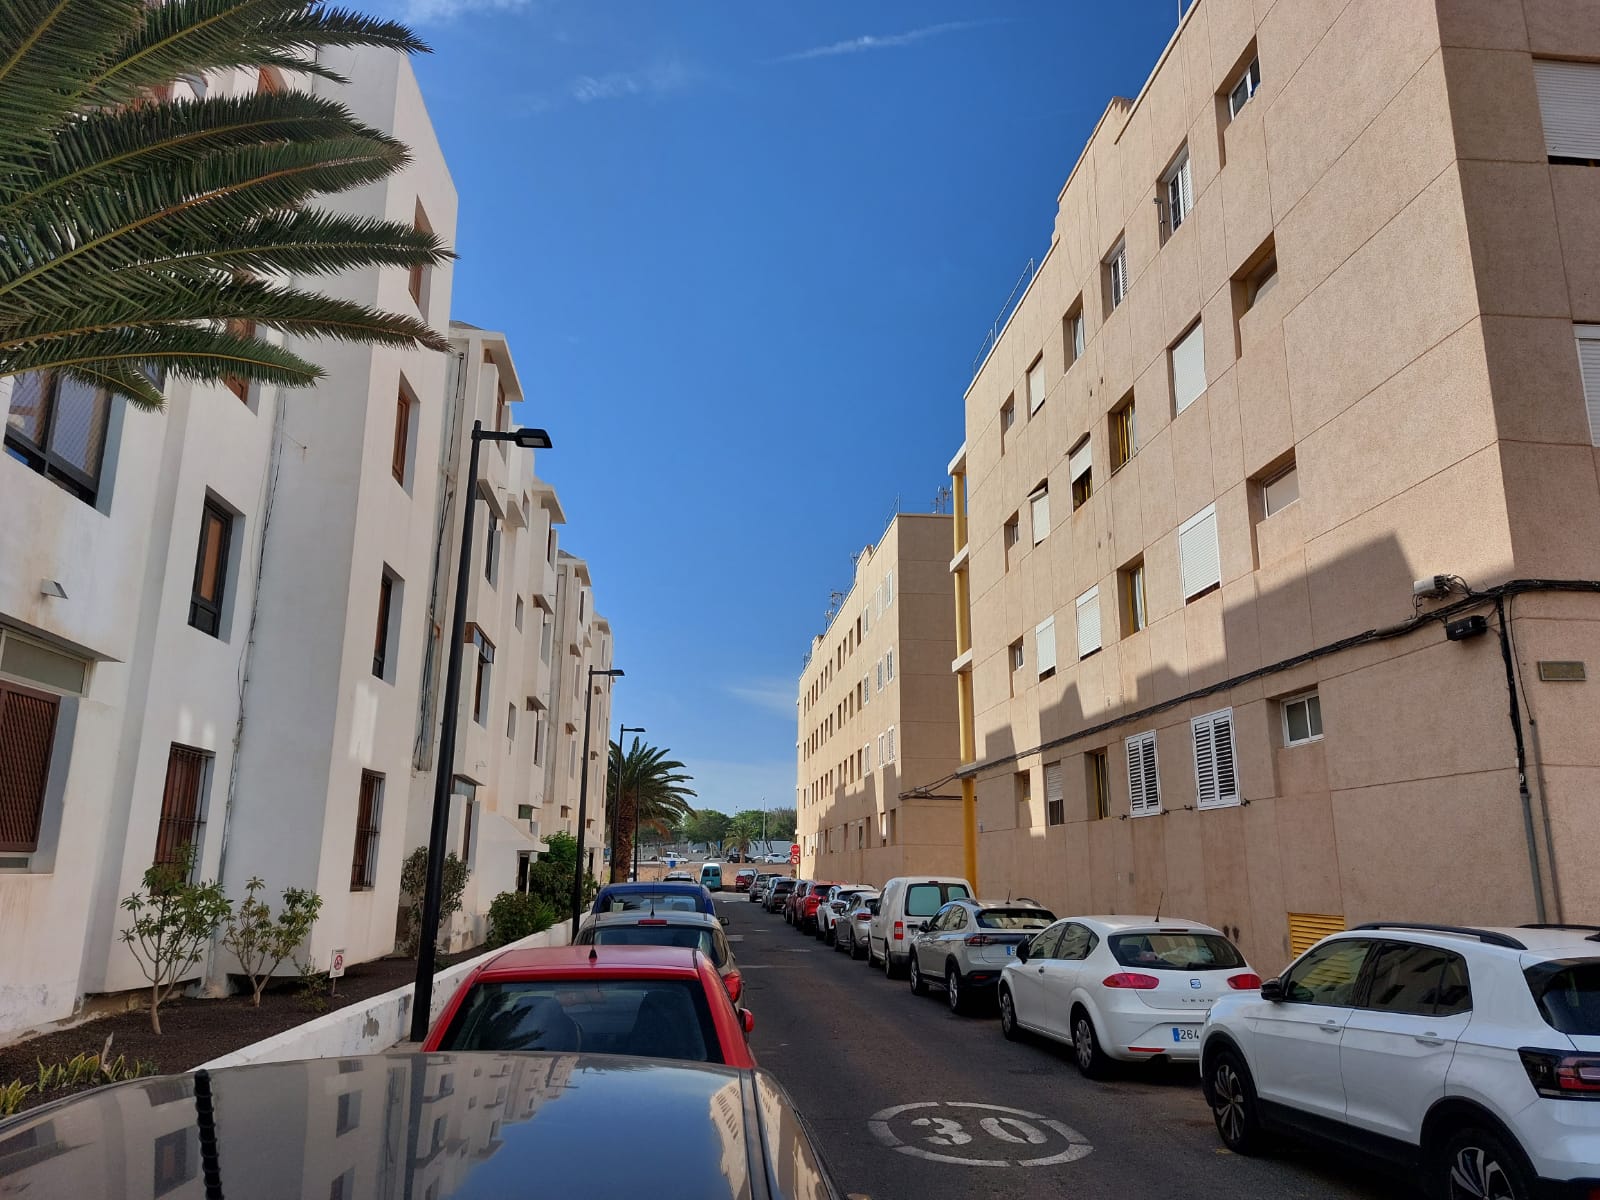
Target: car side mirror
[(1272, 989), (1022, 951), (922, 928), (724, 920)]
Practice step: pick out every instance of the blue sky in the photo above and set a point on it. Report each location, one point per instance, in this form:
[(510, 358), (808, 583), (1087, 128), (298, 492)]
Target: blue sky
[(745, 252)]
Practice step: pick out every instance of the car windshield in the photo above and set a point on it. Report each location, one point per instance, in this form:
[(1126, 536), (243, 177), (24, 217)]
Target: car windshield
[(1014, 918), (1567, 992), (1175, 951), (652, 1018), (925, 899), (689, 937)]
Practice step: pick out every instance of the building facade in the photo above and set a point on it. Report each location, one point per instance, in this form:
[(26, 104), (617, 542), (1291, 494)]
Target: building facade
[(877, 716), (1309, 330)]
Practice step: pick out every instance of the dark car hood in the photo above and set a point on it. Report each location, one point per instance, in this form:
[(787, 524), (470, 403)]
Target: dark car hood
[(410, 1126)]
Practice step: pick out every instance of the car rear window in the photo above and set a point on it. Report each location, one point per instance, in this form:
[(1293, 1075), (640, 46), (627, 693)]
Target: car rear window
[(1014, 918), (652, 1018), (1567, 992), (925, 899), (688, 937), (648, 901), (1175, 951)]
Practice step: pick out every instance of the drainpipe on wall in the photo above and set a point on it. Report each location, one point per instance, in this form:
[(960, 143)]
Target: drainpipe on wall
[(1522, 763)]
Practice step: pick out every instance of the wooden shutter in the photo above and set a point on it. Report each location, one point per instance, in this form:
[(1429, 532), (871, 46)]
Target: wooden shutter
[(1589, 368), (1089, 622), (27, 737), (1144, 782), (181, 816), (1307, 929), (402, 437), (1199, 560), (1189, 368), (1215, 765), (1053, 805), (1045, 651), (1569, 102)]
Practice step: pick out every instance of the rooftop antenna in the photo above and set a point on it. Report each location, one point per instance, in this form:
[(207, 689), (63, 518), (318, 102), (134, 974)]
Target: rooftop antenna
[(1159, 903), (941, 498)]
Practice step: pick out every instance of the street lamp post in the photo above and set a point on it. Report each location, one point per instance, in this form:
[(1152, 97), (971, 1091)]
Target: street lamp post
[(616, 809), (444, 765), (583, 792)]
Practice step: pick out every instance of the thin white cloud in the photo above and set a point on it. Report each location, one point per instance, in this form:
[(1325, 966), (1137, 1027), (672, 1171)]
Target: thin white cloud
[(439, 12), (868, 41), (659, 79), (772, 695)]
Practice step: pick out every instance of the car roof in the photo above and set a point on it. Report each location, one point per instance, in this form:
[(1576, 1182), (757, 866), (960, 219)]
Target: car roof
[(1570, 941), (675, 886), (1113, 923), (665, 916), (611, 962)]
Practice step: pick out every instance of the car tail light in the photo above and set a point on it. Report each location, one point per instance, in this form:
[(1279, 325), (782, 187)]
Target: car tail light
[(749, 1020), (651, 921), (1132, 979), (979, 939), (1245, 983), (1559, 1076), (734, 984), (863, 915), (899, 931)]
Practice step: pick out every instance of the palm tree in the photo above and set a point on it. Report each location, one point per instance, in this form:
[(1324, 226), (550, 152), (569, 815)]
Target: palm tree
[(146, 236), (650, 791), (744, 829)]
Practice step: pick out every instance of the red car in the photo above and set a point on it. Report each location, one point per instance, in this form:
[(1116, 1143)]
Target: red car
[(644, 1001), (805, 909), (743, 880)]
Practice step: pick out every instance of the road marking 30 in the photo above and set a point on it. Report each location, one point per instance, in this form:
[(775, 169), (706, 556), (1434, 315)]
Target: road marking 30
[(1010, 1133)]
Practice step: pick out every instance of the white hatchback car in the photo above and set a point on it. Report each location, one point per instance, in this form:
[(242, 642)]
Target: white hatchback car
[(1128, 988), (1471, 1056)]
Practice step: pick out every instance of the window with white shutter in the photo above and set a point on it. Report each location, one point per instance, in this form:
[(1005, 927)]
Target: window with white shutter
[(888, 665), (1116, 265), (1045, 646), (1177, 187), (1054, 807), (1144, 781), (866, 690), (1199, 560), (882, 757), (1188, 368), (1215, 771), (1569, 102), (1080, 465), (1280, 491), (866, 619), (891, 743), (1589, 368), (1089, 622), (888, 589), (1039, 502), (1036, 392), (880, 674)]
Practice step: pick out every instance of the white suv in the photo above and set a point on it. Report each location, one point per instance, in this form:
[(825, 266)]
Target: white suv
[(1469, 1055)]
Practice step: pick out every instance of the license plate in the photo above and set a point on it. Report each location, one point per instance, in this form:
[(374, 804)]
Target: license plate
[(1011, 951), (1185, 1033)]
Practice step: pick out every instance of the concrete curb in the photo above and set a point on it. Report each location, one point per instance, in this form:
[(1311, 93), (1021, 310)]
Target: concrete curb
[(373, 1025)]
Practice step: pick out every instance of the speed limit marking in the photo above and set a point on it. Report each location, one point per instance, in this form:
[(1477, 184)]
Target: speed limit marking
[(981, 1135)]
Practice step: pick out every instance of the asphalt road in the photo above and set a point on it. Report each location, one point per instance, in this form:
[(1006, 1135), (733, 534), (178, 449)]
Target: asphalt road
[(848, 1044)]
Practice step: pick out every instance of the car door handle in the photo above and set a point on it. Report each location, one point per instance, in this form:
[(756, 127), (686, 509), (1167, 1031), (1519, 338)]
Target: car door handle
[(1040, 970), (1330, 1027), (1429, 1039)]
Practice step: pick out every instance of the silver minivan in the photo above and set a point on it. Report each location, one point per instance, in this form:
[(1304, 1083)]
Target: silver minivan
[(908, 901)]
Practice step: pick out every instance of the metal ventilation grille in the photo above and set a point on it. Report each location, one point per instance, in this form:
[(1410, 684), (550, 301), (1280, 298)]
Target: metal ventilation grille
[(1307, 929)]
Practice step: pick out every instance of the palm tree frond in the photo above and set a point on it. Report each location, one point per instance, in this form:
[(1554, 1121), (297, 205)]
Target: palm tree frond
[(47, 49)]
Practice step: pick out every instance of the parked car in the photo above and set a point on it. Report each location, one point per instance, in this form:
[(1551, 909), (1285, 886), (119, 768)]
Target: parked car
[(759, 886), (792, 900), (777, 859), (833, 906), (549, 1117), (743, 878), (691, 930), (778, 892), (1470, 1056), (681, 877), (1125, 988), (668, 896), (966, 944), (711, 876), (850, 931), (907, 901), (805, 909), (644, 1001)]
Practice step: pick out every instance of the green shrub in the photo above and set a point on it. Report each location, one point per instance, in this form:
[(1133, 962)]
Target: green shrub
[(261, 940), (413, 882), (173, 919), (515, 915)]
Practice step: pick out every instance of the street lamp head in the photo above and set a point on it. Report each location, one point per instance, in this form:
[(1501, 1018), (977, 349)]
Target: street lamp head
[(614, 672), (532, 439)]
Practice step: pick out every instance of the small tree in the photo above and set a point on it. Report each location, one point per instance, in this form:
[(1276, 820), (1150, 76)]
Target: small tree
[(515, 915), (173, 918), (261, 941), (414, 881)]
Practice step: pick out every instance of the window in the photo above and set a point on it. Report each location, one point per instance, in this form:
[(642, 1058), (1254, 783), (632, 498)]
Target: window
[(866, 690), (1259, 280), (511, 721), (1013, 530), (888, 665), (402, 437), (1177, 194), (343, 1186), (182, 807), (1097, 783), (1072, 336), (1199, 560), (1039, 511), (27, 739), (177, 1160), (1144, 777), (538, 739), (369, 811), (1124, 434), (1589, 369), (1280, 490), (1569, 102), (468, 807), (1016, 655), (269, 81), (1036, 392), (1016, 658), (1419, 981), (1131, 583), (888, 589), (879, 666), (349, 1113), (1077, 943), (1054, 805), (502, 406), (1008, 418), (1328, 974), (383, 643), (890, 744), (417, 281), (1302, 719), (238, 384), (491, 556), (1188, 361), (1044, 635), (1116, 271), (482, 679), (57, 427), (1244, 87), (1022, 789), (1088, 606), (1215, 765), (211, 569), (517, 619), (1080, 467)]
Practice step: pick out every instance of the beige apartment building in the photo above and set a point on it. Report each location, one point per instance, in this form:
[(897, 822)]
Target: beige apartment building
[(877, 710), (1309, 330)]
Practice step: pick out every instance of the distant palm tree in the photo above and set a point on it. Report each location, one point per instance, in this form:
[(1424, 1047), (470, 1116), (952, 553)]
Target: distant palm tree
[(745, 829), (650, 791), (146, 236)]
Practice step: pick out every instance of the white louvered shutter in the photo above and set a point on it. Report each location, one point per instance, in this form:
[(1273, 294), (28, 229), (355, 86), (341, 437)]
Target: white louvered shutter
[(1569, 102), (1036, 392), (1045, 637), (880, 674), (888, 665), (1089, 622), (1053, 814), (1040, 502), (1186, 186), (1189, 368), (1215, 771), (866, 690), (1079, 461), (1199, 560), (1144, 785), (1589, 367), (891, 743), (888, 589), (1119, 275)]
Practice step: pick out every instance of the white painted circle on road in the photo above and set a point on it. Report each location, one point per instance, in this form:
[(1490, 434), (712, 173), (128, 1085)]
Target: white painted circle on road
[(930, 1128)]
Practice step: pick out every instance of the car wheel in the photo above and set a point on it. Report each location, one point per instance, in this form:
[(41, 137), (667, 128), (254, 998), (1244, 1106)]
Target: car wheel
[(919, 985), (855, 950), (954, 993), (1233, 1104), (1480, 1165), (1086, 1050), (1008, 1015)]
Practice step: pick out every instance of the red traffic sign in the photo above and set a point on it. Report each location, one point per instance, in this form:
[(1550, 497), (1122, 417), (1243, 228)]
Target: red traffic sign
[(794, 855)]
